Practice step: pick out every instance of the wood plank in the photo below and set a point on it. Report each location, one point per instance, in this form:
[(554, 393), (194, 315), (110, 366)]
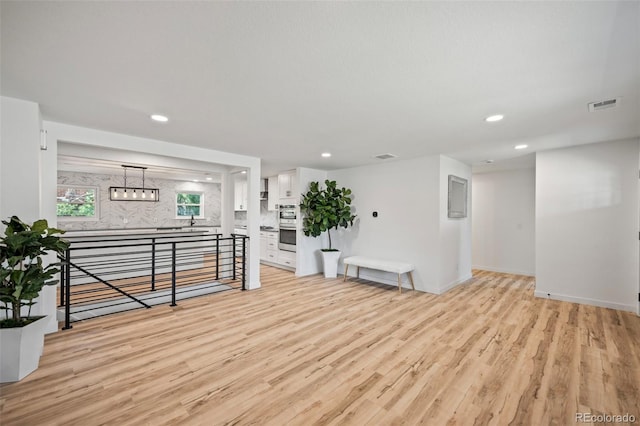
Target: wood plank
[(311, 350)]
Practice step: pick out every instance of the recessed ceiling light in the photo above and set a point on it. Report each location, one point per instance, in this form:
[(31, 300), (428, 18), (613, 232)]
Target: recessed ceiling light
[(160, 118), (209, 178), (494, 118), (244, 172), (326, 154), (523, 146), (196, 180)]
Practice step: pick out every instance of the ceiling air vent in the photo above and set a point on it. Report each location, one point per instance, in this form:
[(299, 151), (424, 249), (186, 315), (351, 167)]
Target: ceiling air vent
[(609, 103), (385, 156)]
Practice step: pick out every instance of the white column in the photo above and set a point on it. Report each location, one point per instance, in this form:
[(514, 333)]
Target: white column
[(253, 226), (28, 181)]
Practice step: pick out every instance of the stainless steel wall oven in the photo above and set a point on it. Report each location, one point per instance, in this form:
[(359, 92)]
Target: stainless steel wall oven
[(287, 225)]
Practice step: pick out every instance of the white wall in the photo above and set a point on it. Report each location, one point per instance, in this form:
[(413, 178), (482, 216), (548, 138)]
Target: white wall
[(455, 233), (23, 182), (20, 165), (587, 224), (503, 221), (406, 196)]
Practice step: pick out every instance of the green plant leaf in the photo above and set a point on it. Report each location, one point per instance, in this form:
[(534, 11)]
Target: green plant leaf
[(323, 209), (22, 270)]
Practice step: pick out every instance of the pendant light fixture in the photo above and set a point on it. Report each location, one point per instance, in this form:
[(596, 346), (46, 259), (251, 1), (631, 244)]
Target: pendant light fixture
[(129, 193)]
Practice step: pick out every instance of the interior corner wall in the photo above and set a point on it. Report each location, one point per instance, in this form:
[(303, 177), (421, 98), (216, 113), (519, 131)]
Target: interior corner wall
[(308, 255), (503, 221), (455, 233), (587, 224), (405, 194)]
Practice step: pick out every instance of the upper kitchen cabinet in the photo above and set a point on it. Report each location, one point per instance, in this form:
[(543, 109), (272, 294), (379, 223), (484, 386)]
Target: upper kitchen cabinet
[(273, 197), (240, 191), (288, 187)]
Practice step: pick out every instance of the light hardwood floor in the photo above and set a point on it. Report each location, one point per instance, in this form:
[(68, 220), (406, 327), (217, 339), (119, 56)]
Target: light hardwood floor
[(315, 351)]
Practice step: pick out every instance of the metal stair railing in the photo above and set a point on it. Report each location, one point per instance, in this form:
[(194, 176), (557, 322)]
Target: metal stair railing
[(128, 266)]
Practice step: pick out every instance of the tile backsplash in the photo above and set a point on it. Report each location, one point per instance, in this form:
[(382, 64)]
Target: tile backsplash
[(114, 214), (267, 218)]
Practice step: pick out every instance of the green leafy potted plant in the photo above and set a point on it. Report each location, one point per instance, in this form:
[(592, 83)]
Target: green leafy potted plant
[(23, 274), (323, 209)]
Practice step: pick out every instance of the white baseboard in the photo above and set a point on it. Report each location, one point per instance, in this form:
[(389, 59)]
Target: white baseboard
[(505, 270), (586, 301), (379, 277), (455, 283), (278, 265)]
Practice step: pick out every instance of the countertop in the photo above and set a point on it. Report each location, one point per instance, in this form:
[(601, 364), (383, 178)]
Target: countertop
[(262, 228), (268, 229), (137, 231)]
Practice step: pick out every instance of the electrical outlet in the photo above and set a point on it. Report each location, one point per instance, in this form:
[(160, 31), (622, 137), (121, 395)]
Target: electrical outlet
[(125, 220), (155, 220)]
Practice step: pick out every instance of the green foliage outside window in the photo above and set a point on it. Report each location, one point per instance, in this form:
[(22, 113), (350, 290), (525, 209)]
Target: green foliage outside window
[(189, 204), (76, 202)]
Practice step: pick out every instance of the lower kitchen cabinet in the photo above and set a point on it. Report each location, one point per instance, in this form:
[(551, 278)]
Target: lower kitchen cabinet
[(287, 258), (270, 253), (269, 246), (263, 246)]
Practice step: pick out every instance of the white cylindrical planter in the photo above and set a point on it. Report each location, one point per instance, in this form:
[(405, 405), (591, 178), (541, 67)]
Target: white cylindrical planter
[(330, 261)]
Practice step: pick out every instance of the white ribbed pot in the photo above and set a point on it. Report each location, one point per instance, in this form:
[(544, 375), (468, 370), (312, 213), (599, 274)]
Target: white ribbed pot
[(330, 262), (20, 350)]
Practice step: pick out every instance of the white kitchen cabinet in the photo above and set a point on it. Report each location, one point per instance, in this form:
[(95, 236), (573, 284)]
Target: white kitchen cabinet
[(272, 247), (263, 245), (240, 191), (269, 251), (288, 187), (273, 199), (287, 258)]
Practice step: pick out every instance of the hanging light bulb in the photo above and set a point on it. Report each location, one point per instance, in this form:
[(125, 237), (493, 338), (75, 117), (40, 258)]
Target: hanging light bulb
[(122, 193), (125, 183)]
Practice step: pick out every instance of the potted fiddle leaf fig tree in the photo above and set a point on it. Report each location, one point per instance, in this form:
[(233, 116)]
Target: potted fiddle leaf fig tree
[(23, 274), (324, 209)]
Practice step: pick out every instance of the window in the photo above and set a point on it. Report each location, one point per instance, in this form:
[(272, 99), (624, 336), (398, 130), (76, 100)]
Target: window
[(189, 204), (77, 202)]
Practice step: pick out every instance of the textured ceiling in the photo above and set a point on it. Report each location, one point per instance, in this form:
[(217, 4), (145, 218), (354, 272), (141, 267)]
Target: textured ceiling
[(285, 81)]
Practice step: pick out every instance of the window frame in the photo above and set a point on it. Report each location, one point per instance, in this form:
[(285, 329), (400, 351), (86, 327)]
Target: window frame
[(201, 204), (96, 204)]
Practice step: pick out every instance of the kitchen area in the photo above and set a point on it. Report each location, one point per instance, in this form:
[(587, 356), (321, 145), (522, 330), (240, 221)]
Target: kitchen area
[(279, 198), (92, 203)]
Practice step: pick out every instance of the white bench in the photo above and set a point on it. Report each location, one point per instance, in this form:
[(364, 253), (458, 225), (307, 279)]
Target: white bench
[(381, 265)]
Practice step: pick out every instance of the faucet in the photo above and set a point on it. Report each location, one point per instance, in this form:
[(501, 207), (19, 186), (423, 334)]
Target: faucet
[(192, 221)]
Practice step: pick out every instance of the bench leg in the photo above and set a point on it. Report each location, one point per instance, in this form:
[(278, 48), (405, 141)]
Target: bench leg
[(411, 280), (399, 284), (357, 272), (346, 268)]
